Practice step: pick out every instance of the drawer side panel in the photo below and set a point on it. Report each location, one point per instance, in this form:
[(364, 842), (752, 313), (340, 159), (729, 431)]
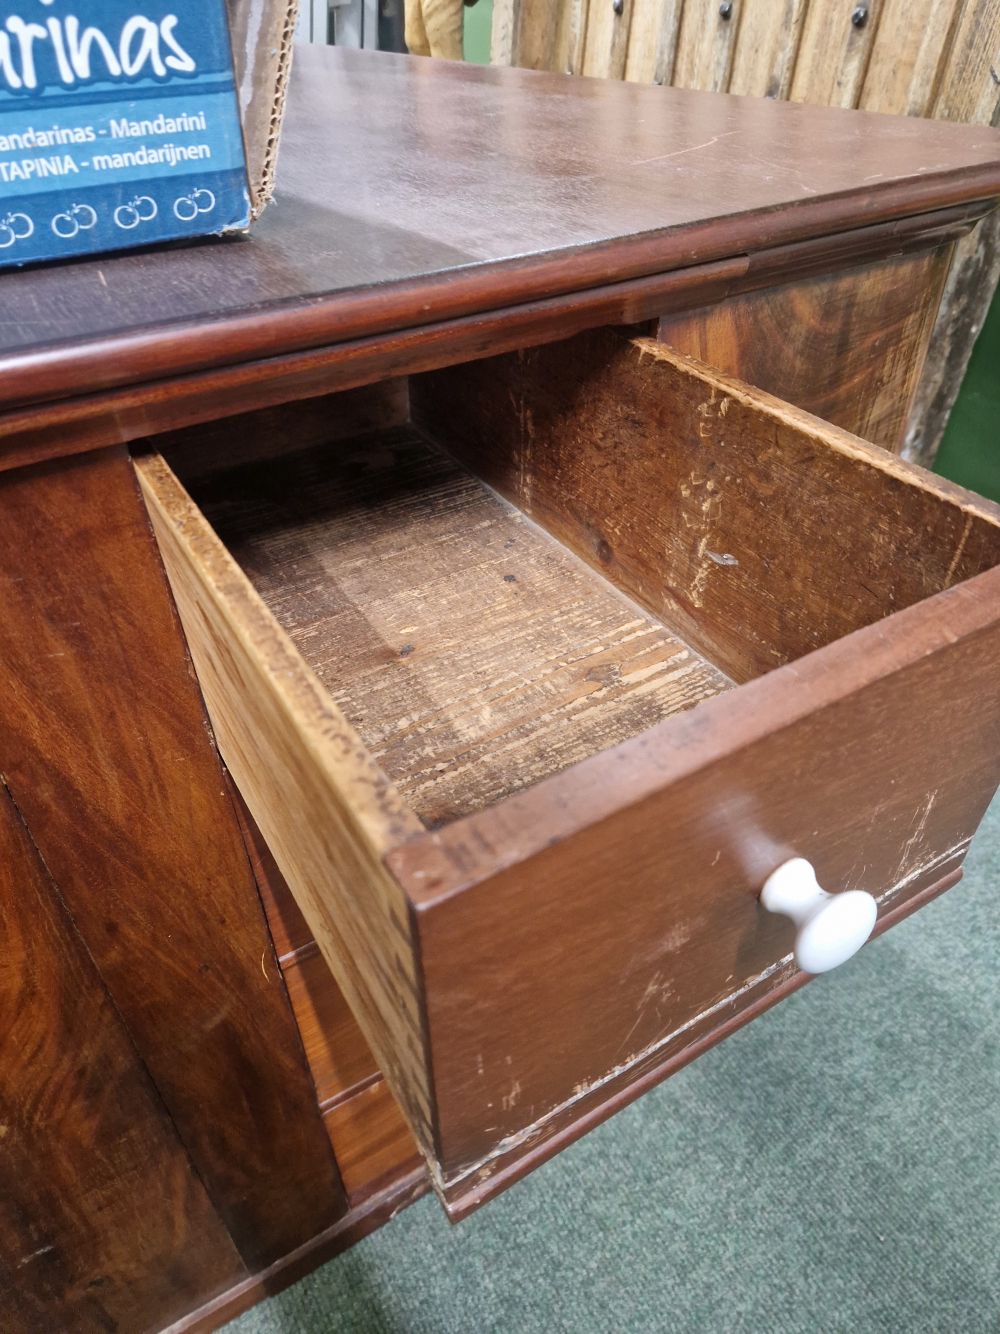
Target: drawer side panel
[(755, 529), (326, 811)]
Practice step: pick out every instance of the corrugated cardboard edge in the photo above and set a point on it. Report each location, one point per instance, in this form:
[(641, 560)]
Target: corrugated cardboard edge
[(261, 35)]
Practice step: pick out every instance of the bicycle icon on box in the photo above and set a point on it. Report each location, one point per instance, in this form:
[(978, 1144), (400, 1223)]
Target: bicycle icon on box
[(15, 227), (140, 209), (77, 218), (189, 206)]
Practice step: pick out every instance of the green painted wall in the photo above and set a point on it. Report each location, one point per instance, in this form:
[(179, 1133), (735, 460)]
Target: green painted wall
[(970, 450), (476, 31)]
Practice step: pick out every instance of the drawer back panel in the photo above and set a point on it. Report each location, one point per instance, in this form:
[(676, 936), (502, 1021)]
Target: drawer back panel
[(755, 529)]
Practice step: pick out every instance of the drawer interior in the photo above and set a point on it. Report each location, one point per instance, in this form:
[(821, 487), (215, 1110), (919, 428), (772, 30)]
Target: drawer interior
[(471, 651), (451, 633), (476, 652)]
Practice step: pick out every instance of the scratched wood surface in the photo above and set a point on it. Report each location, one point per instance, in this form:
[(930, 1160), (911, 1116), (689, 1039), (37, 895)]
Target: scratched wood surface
[(762, 533), (756, 529), (325, 809), (581, 941), (104, 1222), (472, 654)]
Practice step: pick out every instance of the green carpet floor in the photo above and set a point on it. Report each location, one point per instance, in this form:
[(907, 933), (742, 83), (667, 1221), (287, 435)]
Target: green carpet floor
[(834, 1166), (970, 449)]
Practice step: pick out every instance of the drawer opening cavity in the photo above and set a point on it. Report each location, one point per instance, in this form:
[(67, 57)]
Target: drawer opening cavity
[(533, 669)]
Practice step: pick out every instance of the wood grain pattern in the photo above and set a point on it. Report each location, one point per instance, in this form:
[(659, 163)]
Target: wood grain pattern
[(571, 36), (767, 48), (969, 90), (968, 291), (706, 45), (661, 846), (504, 32), (372, 1141), (708, 532), (606, 46), (339, 1057), (834, 54), (104, 745), (652, 40), (289, 929), (375, 1149), (325, 809), (912, 49), (542, 29), (848, 348), (104, 1223), (379, 558)]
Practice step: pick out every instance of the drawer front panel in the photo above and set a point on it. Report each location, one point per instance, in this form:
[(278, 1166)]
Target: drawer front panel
[(577, 937)]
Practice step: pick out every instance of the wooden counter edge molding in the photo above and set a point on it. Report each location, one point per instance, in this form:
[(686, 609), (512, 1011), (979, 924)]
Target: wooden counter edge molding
[(69, 425), (43, 373), (290, 751)]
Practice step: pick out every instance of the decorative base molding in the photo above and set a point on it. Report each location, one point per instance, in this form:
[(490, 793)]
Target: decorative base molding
[(378, 1208)]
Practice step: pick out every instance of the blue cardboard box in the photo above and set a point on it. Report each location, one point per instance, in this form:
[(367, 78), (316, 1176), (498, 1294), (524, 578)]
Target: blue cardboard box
[(119, 126)]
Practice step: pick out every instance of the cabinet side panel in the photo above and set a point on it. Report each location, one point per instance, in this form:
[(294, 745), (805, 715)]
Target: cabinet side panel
[(105, 747), (848, 347), (104, 1223)]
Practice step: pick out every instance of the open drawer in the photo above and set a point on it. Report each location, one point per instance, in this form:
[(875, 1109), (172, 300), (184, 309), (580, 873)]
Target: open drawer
[(530, 688)]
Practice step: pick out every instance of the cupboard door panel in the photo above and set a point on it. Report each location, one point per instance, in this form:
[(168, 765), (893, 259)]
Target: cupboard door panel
[(105, 746), (104, 1224)]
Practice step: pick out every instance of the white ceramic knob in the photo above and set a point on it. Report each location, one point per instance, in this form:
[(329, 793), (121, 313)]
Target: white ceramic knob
[(831, 927)]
